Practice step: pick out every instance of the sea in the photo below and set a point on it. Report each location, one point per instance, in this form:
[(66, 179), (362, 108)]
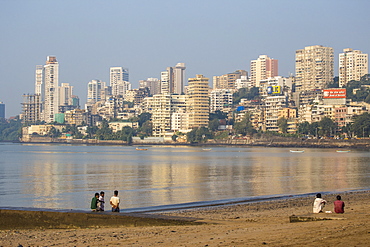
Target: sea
[(66, 177)]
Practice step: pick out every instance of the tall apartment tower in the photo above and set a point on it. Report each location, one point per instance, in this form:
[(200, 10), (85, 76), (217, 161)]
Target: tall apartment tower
[(65, 94), (314, 66), (51, 82), (198, 101), (179, 78), (119, 83), (353, 64), (95, 91), (2, 110), (263, 68), (39, 78), (173, 79)]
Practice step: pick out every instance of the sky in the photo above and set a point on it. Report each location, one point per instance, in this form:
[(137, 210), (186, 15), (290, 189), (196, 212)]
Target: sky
[(212, 37)]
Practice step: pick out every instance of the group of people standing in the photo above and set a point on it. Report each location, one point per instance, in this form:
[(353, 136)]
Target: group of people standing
[(319, 203), (97, 202)]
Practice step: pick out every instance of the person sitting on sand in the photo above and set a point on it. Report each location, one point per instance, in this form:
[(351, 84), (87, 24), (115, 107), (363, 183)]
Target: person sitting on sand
[(94, 202), (339, 205), (114, 201), (101, 201), (318, 204)]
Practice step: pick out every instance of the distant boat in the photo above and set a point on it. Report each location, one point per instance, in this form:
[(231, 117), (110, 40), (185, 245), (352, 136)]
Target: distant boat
[(296, 151), (207, 149), (343, 151), (141, 149)]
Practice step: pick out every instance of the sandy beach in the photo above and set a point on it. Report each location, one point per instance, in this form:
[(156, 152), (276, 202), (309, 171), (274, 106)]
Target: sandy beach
[(252, 224)]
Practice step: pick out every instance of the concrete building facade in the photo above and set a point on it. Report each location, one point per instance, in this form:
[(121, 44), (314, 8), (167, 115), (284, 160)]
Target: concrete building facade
[(353, 64), (262, 68), (51, 84), (314, 67), (198, 101)]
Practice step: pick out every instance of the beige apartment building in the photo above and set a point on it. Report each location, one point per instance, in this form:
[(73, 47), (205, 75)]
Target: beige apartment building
[(262, 68), (314, 67), (228, 81), (353, 64), (198, 101)]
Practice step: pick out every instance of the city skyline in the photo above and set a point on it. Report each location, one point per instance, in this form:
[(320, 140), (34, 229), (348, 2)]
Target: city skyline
[(151, 38)]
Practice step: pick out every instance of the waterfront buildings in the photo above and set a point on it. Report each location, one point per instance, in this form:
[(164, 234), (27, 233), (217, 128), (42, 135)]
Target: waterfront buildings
[(314, 67), (353, 64), (262, 68)]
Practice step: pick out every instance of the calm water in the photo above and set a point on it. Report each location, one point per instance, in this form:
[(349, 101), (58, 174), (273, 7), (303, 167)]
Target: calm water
[(66, 176)]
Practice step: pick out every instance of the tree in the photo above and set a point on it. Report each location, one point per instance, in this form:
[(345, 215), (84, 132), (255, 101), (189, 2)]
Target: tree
[(283, 124), (361, 125), (244, 127), (304, 128), (143, 117), (213, 124), (10, 130), (245, 93), (327, 126)]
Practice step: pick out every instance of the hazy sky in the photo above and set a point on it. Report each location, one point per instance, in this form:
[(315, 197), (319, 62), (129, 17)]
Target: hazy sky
[(212, 37)]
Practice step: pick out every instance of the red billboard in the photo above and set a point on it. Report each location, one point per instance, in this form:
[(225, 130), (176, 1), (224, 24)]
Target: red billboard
[(335, 93)]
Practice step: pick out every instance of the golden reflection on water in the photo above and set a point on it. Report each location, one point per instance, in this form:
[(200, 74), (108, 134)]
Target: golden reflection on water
[(68, 176)]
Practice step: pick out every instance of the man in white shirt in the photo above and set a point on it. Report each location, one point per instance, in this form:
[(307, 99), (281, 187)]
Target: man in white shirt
[(318, 204), (114, 201)]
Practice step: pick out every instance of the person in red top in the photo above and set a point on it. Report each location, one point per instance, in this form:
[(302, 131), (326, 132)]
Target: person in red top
[(339, 205)]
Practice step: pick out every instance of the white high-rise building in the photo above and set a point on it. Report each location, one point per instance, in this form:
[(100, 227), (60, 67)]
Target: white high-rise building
[(119, 81), (353, 64), (173, 79), (262, 68), (95, 91), (39, 85), (65, 94), (179, 78), (314, 67), (51, 83)]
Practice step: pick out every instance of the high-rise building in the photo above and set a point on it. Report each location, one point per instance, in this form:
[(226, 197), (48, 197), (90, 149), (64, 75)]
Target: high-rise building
[(228, 81), (198, 101), (2, 110), (95, 91), (119, 81), (314, 67), (31, 108), (353, 64), (153, 84), (262, 68), (173, 79), (65, 94), (179, 78), (221, 99), (39, 85), (51, 83)]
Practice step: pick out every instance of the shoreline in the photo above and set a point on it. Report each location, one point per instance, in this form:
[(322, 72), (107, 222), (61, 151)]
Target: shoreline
[(250, 224)]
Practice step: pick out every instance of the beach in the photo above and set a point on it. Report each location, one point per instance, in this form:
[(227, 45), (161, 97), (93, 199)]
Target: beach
[(251, 224)]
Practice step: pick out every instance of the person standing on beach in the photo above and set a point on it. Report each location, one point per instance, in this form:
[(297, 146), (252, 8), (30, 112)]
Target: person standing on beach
[(318, 204), (101, 201), (94, 202), (114, 201), (339, 205)]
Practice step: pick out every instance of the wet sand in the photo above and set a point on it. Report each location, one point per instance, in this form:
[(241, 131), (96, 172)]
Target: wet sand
[(252, 224)]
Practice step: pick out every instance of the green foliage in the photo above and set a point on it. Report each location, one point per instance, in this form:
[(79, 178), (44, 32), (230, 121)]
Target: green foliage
[(221, 135), (213, 124), (283, 124), (217, 115), (245, 93), (10, 130), (244, 127), (144, 117), (199, 135), (362, 93), (361, 125)]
